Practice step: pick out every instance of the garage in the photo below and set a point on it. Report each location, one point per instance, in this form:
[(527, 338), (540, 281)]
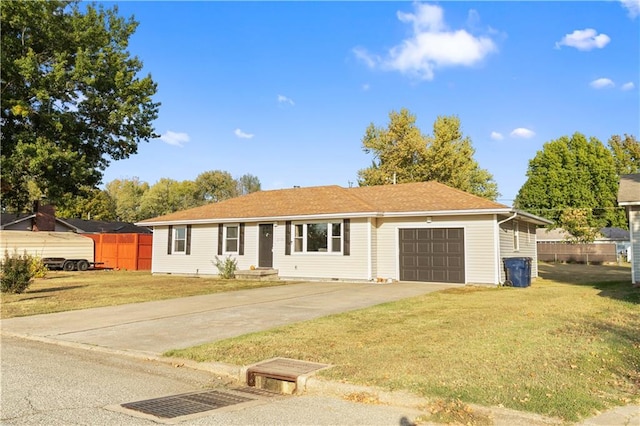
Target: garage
[(432, 255)]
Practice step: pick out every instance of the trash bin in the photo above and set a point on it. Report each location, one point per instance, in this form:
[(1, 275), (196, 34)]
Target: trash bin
[(518, 271)]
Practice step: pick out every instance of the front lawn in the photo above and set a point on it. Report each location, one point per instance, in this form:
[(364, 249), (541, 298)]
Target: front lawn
[(65, 291), (564, 347)]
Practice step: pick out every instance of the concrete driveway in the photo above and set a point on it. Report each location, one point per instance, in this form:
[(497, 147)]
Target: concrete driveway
[(155, 327)]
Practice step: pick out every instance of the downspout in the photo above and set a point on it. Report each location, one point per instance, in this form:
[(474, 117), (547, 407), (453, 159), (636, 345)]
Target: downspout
[(498, 229)]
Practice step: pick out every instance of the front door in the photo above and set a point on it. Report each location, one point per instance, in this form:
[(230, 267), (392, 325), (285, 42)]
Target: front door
[(265, 246)]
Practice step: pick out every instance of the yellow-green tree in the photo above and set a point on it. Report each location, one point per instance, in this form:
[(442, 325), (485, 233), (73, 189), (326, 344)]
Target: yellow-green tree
[(401, 153)]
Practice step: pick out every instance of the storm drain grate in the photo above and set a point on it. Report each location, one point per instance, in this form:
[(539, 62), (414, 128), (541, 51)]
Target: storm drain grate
[(173, 406)]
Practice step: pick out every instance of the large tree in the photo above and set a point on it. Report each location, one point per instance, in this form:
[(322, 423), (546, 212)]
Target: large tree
[(403, 154), (572, 173), (450, 160), (72, 97)]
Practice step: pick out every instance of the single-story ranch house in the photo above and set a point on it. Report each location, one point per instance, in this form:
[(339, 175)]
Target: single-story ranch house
[(422, 231)]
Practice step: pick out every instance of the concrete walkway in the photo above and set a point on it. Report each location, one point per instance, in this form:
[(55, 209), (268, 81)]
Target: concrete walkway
[(155, 327)]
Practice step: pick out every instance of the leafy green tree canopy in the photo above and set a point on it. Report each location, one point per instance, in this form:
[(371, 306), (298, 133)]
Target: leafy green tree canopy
[(215, 185), (167, 196), (247, 184), (573, 173), (93, 204), (72, 99), (403, 154), (127, 194)]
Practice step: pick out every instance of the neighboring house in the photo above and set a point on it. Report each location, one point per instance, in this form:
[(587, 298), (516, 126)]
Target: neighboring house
[(82, 226), (629, 197), (44, 219), (553, 245), (423, 231)]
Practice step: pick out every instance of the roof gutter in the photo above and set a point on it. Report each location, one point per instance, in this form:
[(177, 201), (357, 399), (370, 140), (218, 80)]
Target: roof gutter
[(324, 216), (515, 214)]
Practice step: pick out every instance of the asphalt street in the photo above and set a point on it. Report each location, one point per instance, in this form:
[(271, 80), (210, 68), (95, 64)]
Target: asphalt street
[(45, 384)]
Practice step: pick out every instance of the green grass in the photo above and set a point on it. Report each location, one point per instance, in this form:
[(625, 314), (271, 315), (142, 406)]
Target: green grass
[(564, 347), (65, 291)]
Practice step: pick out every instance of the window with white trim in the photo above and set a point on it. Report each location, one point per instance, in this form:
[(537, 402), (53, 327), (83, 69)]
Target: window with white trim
[(180, 239), (516, 235), (318, 237), (231, 239)]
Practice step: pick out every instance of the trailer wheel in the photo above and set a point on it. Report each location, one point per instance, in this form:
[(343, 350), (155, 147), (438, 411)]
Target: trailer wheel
[(68, 265), (83, 265)]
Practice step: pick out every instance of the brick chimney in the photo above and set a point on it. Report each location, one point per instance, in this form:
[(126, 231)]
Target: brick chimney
[(45, 219)]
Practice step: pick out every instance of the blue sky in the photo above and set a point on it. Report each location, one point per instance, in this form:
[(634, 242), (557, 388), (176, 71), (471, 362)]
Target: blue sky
[(285, 90)]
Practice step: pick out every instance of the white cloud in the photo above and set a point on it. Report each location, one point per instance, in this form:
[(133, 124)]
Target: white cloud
[(175, 138), (522, 132), (628, 86), (427, 17), (242, 135), (366, 87), (285, 100), (586, 39), (431, 46), (496, 136), (369, 59), (602, 83), (632, 6)]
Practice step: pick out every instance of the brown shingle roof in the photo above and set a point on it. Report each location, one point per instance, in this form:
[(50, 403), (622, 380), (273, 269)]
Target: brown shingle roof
[(319, 200), (629, 190), (422, 196)]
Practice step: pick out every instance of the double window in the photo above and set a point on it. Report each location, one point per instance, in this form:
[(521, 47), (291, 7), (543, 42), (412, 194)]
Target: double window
[(317, 237)]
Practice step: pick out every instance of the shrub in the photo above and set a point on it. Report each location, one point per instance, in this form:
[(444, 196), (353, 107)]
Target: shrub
[(37, 268), (227, 267), (15, 272)]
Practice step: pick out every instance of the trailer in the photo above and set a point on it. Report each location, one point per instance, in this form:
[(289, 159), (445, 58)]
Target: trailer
[(58, 250), (69, 264)]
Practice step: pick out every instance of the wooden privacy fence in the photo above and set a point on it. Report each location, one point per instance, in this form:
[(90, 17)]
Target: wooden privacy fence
[(123, 251), (577, 253)]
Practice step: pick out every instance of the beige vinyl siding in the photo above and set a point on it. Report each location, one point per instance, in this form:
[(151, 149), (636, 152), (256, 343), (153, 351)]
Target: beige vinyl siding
[(479, 244), (634, 227), (324, 265), (527, 244), (204, 249), (67, 245)]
